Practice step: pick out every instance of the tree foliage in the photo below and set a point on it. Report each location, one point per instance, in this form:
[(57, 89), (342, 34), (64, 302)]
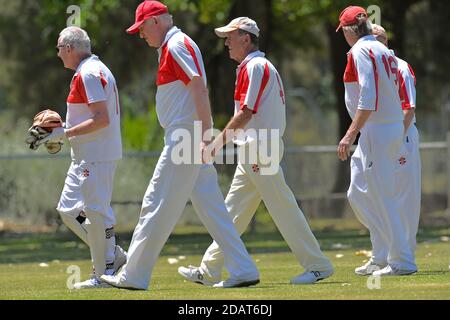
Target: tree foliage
[(32, 77)]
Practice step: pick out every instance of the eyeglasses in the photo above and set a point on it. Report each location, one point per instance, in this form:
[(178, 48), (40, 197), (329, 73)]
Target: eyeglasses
[(60, 46)]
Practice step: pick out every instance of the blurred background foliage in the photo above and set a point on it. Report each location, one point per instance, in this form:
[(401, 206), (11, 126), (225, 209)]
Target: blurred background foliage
[(297, 35)]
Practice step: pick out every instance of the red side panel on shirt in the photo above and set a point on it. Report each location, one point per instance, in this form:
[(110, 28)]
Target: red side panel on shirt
[(194, 56), (351, 74), (103, 80), (375, 72), (264, 81), (412, 73), (77, 91), (406, 105), (281, 89), (242, 86), (169, 70)]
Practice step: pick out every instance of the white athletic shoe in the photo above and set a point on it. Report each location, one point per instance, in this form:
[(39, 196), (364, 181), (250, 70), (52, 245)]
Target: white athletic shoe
[(92, 283), (392, 271), (310, 277), (369, 268), (118, 282), (236, 283), (197, 275)]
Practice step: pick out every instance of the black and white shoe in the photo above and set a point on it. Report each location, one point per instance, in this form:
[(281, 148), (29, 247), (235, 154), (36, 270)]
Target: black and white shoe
[(310, 277), (195, 274)]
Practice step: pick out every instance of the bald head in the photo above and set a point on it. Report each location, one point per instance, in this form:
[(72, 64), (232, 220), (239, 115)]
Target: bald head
[(380, 34)]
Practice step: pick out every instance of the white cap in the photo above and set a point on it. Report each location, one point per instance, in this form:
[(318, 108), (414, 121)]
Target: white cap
[(243, 23)]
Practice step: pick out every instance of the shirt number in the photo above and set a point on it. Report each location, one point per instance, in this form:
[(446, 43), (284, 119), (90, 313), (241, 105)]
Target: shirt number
[(390, 64)]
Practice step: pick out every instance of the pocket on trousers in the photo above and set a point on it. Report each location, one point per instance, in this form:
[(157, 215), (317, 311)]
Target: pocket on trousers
[(89, 187), (409, 144)]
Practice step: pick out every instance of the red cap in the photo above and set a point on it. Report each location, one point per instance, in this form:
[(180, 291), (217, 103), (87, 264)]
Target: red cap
[(145, 10), (348, 16)]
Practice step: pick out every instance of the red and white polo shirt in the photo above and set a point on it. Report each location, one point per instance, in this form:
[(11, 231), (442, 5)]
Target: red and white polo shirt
[(180, 60), (93, 82), (260, 89), (372, 81)]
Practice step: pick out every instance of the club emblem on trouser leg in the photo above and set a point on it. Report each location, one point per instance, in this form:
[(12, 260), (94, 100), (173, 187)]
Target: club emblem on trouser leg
[(255, 168), (402, 160)]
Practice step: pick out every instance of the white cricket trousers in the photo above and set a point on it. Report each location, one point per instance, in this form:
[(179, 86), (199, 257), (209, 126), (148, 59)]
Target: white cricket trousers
[(89, 186), (163, 203), (409, 185), (247, 190), (408, 174), (373, 193)]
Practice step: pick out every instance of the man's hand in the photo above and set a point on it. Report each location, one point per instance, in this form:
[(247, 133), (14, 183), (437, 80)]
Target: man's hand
[(345, 145), (207, 151), (347, 141), (56, 135)]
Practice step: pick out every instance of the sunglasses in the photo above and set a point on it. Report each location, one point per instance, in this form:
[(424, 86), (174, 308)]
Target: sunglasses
[(60, 46)]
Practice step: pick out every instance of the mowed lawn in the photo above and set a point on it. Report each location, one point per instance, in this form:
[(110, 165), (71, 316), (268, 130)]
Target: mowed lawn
[(38, 266)]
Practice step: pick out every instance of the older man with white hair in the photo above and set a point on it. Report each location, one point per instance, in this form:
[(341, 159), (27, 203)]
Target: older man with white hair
[(93, 130), (181, 99)]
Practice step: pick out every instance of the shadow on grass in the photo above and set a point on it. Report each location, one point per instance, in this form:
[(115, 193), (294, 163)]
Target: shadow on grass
[(30, 248), (431, 273)]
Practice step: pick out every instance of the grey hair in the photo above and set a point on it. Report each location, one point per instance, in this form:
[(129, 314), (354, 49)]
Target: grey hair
[(167, 17), (253, 38), (77, 38), (360, 29)]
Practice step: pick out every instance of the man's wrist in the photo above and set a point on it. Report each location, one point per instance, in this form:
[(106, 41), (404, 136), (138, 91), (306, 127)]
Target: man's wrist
[(351, 133), (67, 133)]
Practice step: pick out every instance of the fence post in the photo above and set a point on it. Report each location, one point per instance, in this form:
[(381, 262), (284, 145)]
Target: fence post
[(448, 172)]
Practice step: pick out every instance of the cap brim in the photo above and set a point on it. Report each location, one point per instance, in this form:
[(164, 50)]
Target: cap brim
[(135, 27), (223, 31), (339, 27)]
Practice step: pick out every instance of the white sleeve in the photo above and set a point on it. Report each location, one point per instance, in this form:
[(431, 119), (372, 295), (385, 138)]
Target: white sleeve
[(188, 61), (367, 78), (94, 86)]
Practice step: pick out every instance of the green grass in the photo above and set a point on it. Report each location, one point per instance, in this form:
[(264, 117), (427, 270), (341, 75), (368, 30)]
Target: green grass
[(21, 277)]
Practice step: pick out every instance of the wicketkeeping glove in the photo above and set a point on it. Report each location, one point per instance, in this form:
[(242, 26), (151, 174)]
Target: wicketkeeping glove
[(47, 129)]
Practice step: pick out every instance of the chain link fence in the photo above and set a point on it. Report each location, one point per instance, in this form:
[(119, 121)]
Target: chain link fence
[(30, 185)]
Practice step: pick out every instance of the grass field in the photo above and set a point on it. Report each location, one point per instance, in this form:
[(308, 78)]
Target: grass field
[(34, 266)]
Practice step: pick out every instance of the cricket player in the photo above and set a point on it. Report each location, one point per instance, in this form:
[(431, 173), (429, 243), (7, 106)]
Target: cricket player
[(259, 107), (409, 164), (373, 102), (181, 99), (93, 130)]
